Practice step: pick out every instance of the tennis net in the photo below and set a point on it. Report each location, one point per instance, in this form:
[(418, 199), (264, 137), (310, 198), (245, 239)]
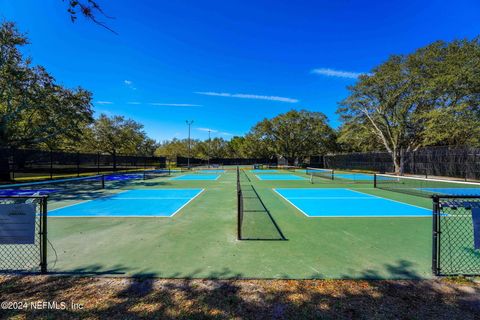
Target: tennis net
[(54, 186), (322, 173), (425, 187), (153, 174)]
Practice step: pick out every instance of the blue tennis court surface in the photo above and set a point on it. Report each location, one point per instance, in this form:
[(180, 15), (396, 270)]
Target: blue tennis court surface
[(42, 192), (132, 203), (196, 177), (264, 171), (123, 177), (347, 203), (454, 191), (279, 177), (211, 171)]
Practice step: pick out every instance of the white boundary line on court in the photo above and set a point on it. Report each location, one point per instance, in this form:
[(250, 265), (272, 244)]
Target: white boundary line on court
[(412, 205), (175, 178), (389, 216), (301, 178), (76, 204), (393, 177), (291, 202), (122, 216), (201, 191)]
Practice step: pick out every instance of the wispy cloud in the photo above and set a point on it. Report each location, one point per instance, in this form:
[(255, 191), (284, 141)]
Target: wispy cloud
[(129, 84), (133, 102), (247, 96), (337, 73), (104, 102), (222, 133), (207, 129), (174, 104)]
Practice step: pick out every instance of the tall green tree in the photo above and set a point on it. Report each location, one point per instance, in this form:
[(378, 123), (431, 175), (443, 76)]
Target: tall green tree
[(407, 100), (34, 109), (237, 148), (295, 135), (116, 135), (176, 148)]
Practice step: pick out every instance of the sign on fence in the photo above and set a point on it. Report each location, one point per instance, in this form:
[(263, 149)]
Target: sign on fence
[(17, 223)]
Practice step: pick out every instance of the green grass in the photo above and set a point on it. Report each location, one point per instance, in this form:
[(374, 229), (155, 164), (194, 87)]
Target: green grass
[(200, 241)]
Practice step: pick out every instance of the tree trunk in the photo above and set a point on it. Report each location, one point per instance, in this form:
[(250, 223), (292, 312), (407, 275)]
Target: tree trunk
[(398, 158), (291, 160)]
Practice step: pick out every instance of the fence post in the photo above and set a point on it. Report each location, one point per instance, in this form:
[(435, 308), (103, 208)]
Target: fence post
[(51, 164), (78, 164), (436, 235), (43, 233), (98, 163), (13, 163)]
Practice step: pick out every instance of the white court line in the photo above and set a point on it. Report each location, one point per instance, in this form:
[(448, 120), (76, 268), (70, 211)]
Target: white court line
[(201, 191), (75, 204), (153, 198), (175, 178), (328, 198), (406, 204), (299, 178), (291, 203)]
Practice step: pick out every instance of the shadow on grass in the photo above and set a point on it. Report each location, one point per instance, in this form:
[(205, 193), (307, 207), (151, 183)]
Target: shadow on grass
[(144, 296)]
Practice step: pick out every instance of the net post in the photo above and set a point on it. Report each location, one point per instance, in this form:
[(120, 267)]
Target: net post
[(333, 174), (436, 235), (43, 235), (102, 177), (239, 207), (374, 180)]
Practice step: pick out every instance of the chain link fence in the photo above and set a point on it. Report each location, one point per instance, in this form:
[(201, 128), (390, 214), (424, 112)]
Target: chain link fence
[(456, 235), (23, 234), (443, 161), (32, 164)]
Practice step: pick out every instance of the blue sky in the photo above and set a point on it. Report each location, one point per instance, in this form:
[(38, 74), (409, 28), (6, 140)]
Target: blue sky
[(228, 64)]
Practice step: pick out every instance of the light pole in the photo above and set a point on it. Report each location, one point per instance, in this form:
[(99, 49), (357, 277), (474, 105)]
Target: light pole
[(189, 124), (209, 147)]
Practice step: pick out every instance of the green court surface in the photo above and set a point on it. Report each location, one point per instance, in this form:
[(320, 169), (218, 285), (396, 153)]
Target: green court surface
[(200, 241)]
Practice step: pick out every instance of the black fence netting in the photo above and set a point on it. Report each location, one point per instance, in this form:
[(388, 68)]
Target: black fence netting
[(25, 164), (457, 162), (185, 161), (456, 235)]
